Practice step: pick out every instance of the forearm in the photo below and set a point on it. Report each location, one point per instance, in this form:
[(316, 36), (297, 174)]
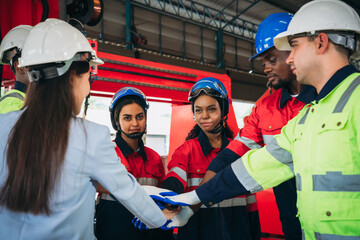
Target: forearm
[(223, 186)]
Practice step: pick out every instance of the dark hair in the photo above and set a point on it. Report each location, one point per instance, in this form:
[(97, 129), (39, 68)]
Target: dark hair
[(38, 142), (196, 129), (125, 101)]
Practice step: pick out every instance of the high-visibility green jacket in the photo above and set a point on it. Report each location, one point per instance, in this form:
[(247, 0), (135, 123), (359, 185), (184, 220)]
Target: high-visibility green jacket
[(321, 148), (12, 101)]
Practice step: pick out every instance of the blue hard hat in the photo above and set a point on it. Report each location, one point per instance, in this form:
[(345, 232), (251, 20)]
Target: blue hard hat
[(211, 87), (268, 29), (120, 94)]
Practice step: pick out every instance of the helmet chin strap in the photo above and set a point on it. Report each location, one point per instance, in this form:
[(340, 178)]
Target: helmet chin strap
[(136, 135), (220, 127)]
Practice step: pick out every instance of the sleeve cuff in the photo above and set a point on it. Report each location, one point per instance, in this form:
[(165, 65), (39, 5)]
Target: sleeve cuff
[(223, 186)]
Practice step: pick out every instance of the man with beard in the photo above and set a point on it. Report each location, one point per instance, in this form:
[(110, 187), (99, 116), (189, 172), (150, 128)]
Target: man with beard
[(269, 115)]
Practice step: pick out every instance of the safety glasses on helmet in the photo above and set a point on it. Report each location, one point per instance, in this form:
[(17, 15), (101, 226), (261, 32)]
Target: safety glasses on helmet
[(207, 87), (126, 91)]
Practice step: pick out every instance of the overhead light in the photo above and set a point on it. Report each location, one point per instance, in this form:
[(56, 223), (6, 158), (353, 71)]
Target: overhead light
[(251, 71)]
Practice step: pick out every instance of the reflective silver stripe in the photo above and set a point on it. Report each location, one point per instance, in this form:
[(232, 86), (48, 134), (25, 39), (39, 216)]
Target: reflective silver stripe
[(280, 154), (302, 234), (302, 120), (298, 182), (13, 94), (321, 236), (251, 199), (181, 173), (336, 182), (106, 196), (244, 177), (346, 95), (148, 181), (248, 142), (268, 138), (233, 202), (194, 182)]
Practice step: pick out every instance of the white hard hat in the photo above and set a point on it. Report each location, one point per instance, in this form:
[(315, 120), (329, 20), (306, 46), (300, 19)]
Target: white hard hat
[(13, 43), (320, 15), (55, 41)]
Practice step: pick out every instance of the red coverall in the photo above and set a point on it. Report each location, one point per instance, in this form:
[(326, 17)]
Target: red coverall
[(235, 218), (113, 220)]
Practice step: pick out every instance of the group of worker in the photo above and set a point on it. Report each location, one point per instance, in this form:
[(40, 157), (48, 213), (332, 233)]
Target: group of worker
[(302, 140)]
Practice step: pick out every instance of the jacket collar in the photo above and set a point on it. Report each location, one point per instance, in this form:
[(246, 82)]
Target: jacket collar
[(335, 80), (20, 86), (306, 95), (205, 144), (125, 149)]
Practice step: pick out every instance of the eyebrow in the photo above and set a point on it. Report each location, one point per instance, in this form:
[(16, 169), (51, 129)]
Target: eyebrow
[(213, 105), (126, 114), (292, 41)]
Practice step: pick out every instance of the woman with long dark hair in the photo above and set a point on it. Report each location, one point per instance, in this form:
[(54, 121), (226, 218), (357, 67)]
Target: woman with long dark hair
[(229, 219), (50, 160), (128, 114)]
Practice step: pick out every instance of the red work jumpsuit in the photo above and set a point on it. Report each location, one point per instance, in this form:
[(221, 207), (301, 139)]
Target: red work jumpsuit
[(113, 220), (235, 218)]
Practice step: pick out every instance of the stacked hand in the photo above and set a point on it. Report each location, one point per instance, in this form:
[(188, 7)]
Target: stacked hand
[(189, 198), (163, 196), (178, 221)]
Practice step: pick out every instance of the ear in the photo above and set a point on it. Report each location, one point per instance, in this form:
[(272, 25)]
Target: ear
[(20, 70), (322, 42)]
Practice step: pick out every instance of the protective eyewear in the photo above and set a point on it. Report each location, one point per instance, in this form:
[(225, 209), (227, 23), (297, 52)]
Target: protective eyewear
[(209, 88)]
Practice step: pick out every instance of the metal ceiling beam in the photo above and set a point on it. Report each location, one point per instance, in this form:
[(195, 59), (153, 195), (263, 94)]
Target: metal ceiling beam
[(242, 12), (282, 5), (201, 15), (229, 4)]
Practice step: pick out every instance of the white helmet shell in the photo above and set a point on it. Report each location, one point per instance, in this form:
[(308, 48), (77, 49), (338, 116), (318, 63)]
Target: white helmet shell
[(319, 15), (15, 38), (55, 41)]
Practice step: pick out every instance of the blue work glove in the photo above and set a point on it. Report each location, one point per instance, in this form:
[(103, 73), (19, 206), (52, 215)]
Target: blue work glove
[(162, 195), (139, 224)]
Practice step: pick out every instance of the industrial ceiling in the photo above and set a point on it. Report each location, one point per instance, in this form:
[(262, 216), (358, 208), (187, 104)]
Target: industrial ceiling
[(210, 35)]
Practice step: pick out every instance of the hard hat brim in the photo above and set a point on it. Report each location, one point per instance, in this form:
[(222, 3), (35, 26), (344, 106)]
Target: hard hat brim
[(281, 41), (96, 61)]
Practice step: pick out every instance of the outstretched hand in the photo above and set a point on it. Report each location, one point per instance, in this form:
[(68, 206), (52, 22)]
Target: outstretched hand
[(180, 219), (163, 195), (169, 214), (189, 198)]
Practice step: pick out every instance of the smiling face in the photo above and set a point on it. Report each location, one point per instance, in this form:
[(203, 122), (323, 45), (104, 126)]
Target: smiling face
[(207, 112), (132, 119), (277, 71)]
